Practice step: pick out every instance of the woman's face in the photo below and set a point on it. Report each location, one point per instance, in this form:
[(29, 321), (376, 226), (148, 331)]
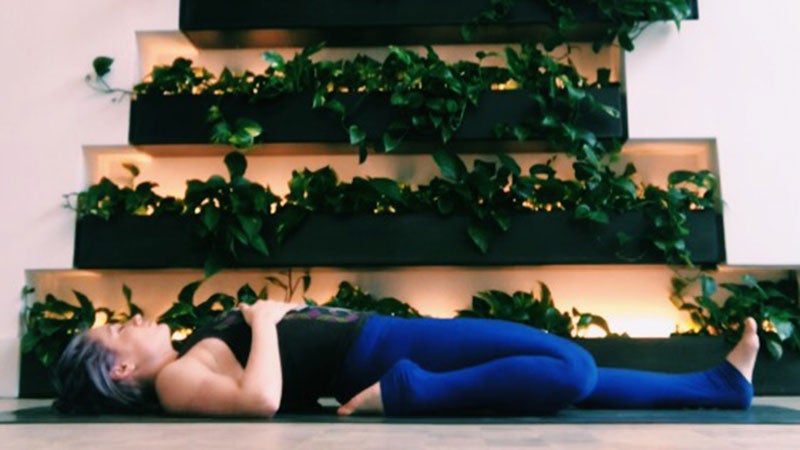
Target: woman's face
[(140, 346)]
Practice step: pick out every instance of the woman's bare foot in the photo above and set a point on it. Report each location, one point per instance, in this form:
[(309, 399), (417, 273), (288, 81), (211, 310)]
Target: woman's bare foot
[(743, 355), (367, 401)]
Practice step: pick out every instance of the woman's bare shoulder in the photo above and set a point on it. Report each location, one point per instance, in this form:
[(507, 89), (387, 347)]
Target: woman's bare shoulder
[(189, 385)]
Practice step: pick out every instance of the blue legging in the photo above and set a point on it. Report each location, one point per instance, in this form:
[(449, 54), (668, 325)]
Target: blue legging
[(428, 366)]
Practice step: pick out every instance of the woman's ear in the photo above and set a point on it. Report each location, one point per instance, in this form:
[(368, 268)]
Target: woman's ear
[(122, 371)]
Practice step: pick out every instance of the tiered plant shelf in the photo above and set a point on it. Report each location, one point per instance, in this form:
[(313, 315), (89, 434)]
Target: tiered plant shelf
[(392, 240), (181, 119), (257, 23), (142, 242)]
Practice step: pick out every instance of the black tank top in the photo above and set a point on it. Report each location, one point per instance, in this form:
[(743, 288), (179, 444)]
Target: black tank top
[(313, 343)]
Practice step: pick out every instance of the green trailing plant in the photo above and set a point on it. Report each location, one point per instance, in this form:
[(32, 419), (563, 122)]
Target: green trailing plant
[(231, 213), (106, 200), (184, 315), (525, 308), (480, 192), (352, 297), (96, 80), (241, 135), (563, 97), (667, 210), (179, 78), (50, 324), (321, 191), (433, 97), (232, 216), (623, 20), (430, 95), (773, 304)]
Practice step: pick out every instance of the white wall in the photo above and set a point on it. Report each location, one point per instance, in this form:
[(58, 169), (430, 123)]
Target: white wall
[(679, 85), (47, 115), (732, 75)]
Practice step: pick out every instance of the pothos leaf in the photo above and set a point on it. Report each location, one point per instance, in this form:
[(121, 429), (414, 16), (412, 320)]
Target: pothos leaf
[(132, 168), (451, 166), (274, 60), (236, 164), (357, 135), (187, 292), (133, 309), (87, 309), (480, 237), (102, 65)]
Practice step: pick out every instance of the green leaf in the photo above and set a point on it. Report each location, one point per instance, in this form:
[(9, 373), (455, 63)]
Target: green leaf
[(468, 32), (259, 245), (357, 135), (784, 328), (242, 140), (212, 265), (87, 309), (708, 286), (249, 126), (221, 133), (680, 176), (337, 107), (132, 168), (236, 164), (775, 348), (133, 309), (102, 65), (445, 205), (210, 217), (186, 295), (214, 114), (126, 291), (502, 219), (29, 342), (451, 166), (480, 237), (481, 55), (362, 153), (509, 163), (388, 188), (603, 76), (625, 42), (250, 225), (391, 140), (274, 60)]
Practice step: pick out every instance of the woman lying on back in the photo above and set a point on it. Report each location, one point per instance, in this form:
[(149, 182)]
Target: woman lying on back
[(277, 357)]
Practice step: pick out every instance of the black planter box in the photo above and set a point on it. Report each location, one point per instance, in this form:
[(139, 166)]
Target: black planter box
[(391, 240), (261, 23), (171, 120), (679, 354), (674, 355)]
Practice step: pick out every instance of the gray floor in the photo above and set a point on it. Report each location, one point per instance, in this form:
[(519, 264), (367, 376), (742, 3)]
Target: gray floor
[(399, 436)]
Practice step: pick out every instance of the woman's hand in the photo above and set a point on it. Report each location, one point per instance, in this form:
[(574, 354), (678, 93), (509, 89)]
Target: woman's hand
[(270, 310)]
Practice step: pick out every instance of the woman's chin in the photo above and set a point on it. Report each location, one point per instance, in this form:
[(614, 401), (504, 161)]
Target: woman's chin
[(162, 330)]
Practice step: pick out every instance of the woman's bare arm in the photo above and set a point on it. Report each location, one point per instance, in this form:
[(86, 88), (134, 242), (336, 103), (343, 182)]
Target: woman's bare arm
[(190, 386)]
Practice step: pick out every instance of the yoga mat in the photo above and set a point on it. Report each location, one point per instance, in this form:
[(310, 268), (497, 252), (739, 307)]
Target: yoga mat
[(755, 415)]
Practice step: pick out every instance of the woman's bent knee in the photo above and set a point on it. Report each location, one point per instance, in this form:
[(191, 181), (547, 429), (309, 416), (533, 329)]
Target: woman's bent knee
[(580, 373)]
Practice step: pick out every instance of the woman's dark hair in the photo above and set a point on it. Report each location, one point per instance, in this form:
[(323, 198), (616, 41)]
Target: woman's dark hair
[(84, 384)]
